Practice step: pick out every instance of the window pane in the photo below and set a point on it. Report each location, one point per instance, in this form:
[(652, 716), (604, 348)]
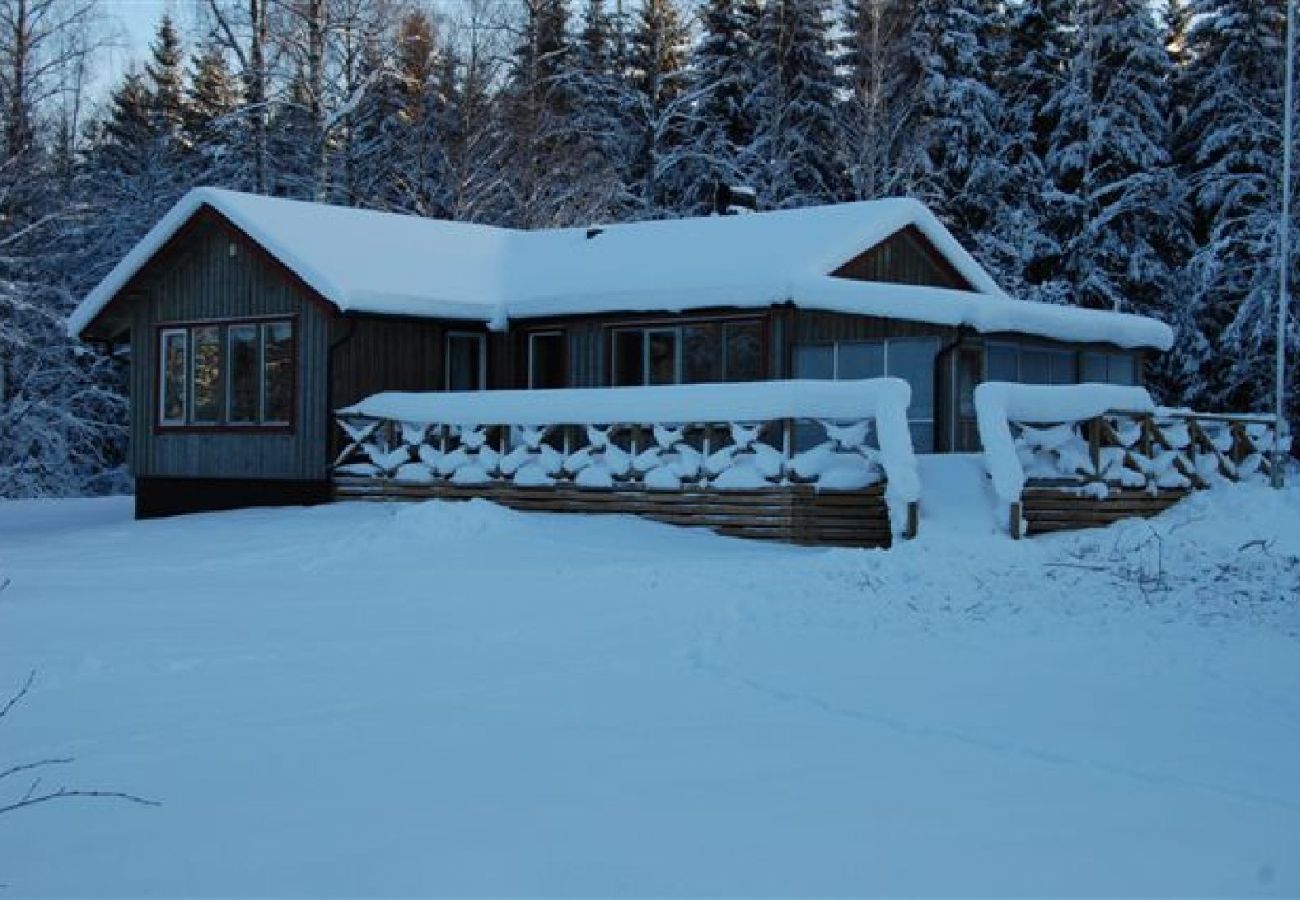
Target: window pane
[(1003, 362), (277, 371), (1035, 366), (744, 351), (701, 357), (861, 359), (464, 362), (814, 361), (1063, 367), (629, 363), (1123, 369), (913, 361), (1093, 368), (207, 374), (922, 436), (241, 362), (173, 362), (662, 351), (546, 361)]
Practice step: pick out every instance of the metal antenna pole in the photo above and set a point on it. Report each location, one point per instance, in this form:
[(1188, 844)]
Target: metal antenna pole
[(1284, 248)]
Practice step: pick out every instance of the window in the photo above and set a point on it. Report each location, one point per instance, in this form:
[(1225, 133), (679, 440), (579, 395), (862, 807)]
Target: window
[(911, 359), (244, 385), (172, 360), (206, 375), (742, 353), (1109, 368), (466, 361), (1031, 365), (218, 374), (546, 360), (687, 354)]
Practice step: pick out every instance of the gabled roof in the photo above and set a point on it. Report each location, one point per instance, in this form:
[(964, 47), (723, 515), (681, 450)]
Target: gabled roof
[(366, 261)]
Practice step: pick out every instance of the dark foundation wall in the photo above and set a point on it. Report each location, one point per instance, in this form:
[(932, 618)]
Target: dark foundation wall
[(158, 497)]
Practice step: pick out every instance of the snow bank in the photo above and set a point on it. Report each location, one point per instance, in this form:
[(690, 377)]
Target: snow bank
[(999, 403), (404, 265)]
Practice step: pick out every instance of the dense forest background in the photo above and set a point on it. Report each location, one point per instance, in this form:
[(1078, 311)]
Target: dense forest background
[(1106, 153)]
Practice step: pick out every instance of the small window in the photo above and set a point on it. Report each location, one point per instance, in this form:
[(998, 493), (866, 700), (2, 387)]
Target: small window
[(701, 355), (245, 378), (1003, 362), (860, 359), (466, 362), (172, 405), (814, 361), (206, 375), (743, 351), (546, 360), (629, 357), (662, 356), (277, 372)]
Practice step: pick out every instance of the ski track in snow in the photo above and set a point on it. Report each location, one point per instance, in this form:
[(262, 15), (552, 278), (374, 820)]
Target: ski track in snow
[(521, 704)]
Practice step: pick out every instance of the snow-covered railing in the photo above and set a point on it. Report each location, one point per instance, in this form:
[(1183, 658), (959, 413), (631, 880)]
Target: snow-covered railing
[(833, 436), (1099, 438)]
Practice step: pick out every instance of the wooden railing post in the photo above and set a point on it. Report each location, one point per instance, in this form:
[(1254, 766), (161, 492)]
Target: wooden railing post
[(1013, 523)]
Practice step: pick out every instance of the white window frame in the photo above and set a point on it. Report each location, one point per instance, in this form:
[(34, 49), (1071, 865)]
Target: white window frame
[(482, 358), (163, 335), (532, 336)]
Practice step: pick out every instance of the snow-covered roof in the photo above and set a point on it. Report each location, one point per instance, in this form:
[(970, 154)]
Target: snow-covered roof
[(374, 262)]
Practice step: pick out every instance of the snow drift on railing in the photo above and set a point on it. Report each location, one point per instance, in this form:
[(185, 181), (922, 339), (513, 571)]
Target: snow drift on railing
[(445, 437), (999, 403), (1096, 437)]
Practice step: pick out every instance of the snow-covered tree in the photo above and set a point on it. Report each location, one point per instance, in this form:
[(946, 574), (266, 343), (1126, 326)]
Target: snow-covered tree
[(1117, 206), (1231, 138), (798, 144), (656, 111), (873, 111)]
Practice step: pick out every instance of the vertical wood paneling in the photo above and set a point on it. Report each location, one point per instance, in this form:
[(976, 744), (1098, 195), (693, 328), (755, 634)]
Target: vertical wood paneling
[(209, 281)]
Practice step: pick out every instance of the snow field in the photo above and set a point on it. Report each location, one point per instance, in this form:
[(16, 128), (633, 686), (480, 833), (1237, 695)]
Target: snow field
[(458, 699)]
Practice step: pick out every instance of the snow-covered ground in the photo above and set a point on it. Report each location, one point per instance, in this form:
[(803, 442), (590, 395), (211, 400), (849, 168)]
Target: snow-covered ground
[(459, 699)]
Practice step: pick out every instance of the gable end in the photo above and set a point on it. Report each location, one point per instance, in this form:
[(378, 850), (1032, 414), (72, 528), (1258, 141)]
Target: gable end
[(905, 257)]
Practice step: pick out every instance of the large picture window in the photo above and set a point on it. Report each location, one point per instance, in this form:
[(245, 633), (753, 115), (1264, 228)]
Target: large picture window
[(911, 359), (215, 374), (687, 354)]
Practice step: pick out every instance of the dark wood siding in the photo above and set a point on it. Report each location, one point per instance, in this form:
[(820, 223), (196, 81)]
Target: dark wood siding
[(372, 354), (907, 257), (215, 275)]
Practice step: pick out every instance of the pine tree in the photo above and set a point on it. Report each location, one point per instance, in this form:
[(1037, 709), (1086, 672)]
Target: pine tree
[(798, 143), (166, 76), (873, 110), (1120, 214), (958, 156), (657, 81), (1231, 139), (212, 124), (719, 132)]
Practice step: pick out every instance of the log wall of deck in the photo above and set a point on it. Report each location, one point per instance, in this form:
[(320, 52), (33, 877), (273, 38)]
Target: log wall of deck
[(795, 514)]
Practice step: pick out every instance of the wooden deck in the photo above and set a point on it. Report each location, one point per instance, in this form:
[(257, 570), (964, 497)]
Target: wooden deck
[(1047, 509), (796, 514)]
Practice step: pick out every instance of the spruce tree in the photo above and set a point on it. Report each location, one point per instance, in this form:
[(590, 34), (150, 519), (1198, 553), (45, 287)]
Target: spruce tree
[(1231, 140), (798, 144), (656, 81)]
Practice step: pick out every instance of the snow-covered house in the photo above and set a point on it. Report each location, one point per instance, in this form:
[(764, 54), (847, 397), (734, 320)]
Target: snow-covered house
[(251, 319)]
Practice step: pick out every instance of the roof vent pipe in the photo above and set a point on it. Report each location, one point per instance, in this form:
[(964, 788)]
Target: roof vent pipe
[(594, 232)]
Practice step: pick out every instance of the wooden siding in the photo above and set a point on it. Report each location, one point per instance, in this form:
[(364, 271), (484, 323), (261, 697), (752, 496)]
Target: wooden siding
[(906, 257), (204, 280), (372, 354)]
